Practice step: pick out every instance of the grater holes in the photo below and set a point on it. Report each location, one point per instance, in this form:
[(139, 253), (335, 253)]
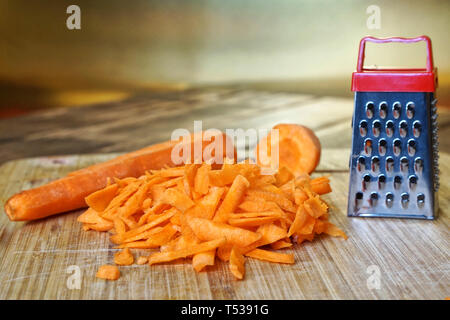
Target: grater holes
[(418, 165), (417, 128), (389, 164), (375, 163), (396, 109), (383, 109), (366, 182), (403, 128), (381, 181), (389, 199), (397, 182), (363, 128), (412, 146), (368, 147), (376, 128), (370, 108), (420, 200), (361, 164), (358, 199), (373, 199), (397, 147), (410, 110), (382, 146), (405, 200), (412, 182), (390, 128), (404, 164)]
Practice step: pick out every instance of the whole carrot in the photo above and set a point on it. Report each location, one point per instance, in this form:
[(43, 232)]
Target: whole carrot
[(68, 193)]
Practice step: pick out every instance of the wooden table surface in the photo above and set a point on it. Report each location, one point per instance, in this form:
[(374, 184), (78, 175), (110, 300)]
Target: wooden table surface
[(150, 118), (410, 256)]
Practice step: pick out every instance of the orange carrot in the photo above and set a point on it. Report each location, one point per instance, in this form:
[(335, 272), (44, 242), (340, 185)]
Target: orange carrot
[(271, 256), (232, 199), (251, 222), (95, 222), (161, 257), (69, 193), (321, 185), (298, 147), (281, 244), (201, 184), (233, 217), (100, 199), (209, 230), (124, 257), (203, 259), (237, 262), (108, 272)]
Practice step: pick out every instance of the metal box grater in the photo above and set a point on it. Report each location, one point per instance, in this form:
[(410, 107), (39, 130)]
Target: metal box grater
[(394, 158)]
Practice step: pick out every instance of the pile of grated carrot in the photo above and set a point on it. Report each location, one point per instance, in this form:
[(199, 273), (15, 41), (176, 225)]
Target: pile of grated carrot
[(197, 212)]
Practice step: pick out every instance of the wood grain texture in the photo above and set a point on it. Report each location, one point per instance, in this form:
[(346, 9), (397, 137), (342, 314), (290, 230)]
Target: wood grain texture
[(412, 255), (145, 119)]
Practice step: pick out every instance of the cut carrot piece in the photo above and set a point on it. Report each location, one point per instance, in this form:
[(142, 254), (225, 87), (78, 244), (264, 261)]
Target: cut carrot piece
[(155, 240), (302, 237), (271, 256), (281, 244), (210, 202), (208, 230), (334, 231), (229, 172), (269, 233), (100, 199), (288, 189), (177, 199), (300, 219), (237, 263), (251, 222), (283, 176), (298, 147), (315, 207), (156, 221), (203, 259), (124, 257), (279, 199), (108, 272), (170, 172), (95, 221), (201, 184), (142, 260), (256, 214), (161, 257), (223, 252), (308, 226), (319, 226), (300, 196), (144, 235), (321, 185), (232, 199), (190, 172), (259, 205)]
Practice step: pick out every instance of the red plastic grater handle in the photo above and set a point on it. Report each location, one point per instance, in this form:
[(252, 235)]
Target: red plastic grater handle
[(362, 48)]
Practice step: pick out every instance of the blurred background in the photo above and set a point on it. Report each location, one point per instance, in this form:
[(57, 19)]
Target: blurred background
[(126, 47)]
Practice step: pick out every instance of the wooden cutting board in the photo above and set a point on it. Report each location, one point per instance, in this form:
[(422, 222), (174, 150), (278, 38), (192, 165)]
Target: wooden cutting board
[(409, 257)]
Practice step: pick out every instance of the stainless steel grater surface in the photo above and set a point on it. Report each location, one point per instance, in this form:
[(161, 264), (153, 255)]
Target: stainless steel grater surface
[(394, 158)]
